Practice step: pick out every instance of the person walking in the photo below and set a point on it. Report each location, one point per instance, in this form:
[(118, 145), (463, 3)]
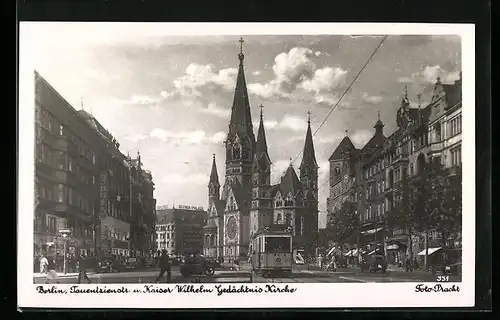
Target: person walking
[(43, 264), (51, 273), (82, 266), (165, 266)]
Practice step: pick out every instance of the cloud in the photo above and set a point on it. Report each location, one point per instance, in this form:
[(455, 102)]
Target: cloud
[(324, 80), (296, 78), (290, 69), (319, 54), (256, 73), (214, 109), (190, 138), (429, 74), (185, 179), (371, 99), (137, 138), (198, 79), (361, 137), (278, 169)]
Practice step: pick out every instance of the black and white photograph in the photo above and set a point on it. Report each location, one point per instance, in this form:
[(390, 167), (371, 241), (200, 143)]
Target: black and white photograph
[(323, 163)]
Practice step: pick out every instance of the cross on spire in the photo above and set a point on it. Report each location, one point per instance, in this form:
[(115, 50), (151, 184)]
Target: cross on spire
[(308, 116), (241, 56), (347, 133), (241, 44), (291, 161), (261, 109), (81, 102), (378, 115)]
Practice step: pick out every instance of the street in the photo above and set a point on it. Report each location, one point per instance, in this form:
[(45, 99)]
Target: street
[(297, 276)]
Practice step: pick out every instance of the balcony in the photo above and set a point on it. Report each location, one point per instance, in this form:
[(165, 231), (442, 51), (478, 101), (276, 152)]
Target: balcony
[(436, 147), (399, 158)]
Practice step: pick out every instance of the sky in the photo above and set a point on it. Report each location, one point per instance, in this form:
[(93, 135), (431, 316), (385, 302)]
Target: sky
[(170, 96)]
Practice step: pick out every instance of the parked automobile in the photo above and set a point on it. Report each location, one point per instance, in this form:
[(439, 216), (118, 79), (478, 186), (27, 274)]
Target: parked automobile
[(373, 263), (131, 263), (198, 265), (110, 265)]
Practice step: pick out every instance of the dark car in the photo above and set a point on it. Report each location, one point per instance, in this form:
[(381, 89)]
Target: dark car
[(374, 263), (198, 265), (110, 265)]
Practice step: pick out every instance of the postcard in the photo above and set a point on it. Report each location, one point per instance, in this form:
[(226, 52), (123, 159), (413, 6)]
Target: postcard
[(242, 165)]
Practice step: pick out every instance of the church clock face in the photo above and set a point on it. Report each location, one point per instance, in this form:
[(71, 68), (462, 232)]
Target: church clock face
[(231, 228)]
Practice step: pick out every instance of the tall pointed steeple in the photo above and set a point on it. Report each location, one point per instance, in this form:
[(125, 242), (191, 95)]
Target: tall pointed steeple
[(261, 146), (241, 119), (213, 184), (214, 177), (309, 155)]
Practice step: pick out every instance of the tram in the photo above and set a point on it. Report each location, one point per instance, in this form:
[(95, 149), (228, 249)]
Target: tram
[(272, 252)]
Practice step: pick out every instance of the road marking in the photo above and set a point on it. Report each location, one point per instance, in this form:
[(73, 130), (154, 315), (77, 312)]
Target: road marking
[(352, 279)]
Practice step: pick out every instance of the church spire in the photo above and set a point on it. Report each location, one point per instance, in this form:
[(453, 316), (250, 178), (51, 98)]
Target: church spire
[(214, 177), (261, 146), (308, 157), (241, 119), (379, 125)]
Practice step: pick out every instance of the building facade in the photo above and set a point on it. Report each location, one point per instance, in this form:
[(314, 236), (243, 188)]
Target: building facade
[(83, 182), (66, 169), (180, 230), (423, 134), (248, 201)]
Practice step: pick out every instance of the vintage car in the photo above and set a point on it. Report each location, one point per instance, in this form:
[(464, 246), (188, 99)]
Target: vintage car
[(110, 264), (198, 265), (131, 263), (373, 262)]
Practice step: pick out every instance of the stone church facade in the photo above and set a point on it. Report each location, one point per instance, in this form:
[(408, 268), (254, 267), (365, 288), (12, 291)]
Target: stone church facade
[(249, 202)]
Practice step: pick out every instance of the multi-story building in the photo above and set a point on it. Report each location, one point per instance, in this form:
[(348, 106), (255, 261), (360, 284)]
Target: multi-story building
[(84, 182), (343, 176), (66, 169), (180, 230), (423, 134)]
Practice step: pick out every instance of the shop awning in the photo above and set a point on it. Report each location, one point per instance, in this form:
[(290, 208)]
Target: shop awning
[(430, 251), (372, 231), (392, 247)]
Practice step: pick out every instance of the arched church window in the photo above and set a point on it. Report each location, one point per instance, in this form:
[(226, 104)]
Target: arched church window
[(236, 152), (245, 154), (278, 218), (288, 219), (337, 171)]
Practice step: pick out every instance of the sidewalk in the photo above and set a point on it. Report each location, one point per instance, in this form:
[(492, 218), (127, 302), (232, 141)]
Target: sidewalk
[(60, 275)]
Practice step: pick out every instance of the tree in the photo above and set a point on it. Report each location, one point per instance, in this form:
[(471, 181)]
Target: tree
[(344, 224), (404, 212)]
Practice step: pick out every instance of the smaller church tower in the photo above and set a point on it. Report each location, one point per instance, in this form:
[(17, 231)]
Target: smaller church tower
[(309, 180), (260, 215), (309, 166), (213, 185)]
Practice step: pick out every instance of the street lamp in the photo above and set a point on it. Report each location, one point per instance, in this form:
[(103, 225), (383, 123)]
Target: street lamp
[(65, 233)]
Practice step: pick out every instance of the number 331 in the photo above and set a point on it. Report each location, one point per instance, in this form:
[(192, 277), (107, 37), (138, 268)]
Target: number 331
[(443, 278)]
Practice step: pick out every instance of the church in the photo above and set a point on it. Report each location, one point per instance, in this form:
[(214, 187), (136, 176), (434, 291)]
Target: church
[(249, 203)]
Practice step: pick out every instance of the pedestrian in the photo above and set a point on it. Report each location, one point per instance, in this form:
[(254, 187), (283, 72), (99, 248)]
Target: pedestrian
[(415, 263), (82, 272), (164, 266), (51, 271), (43, 264)]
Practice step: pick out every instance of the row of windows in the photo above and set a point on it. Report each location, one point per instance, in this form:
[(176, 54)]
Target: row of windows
[(456, 156), (165, 243), (374, 188), (374, 211), (165, 228), (115, 233), (456, 125), (376, 167), (166, 235), (65, 194)]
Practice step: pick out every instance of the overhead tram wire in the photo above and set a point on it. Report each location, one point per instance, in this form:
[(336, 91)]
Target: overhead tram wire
[(345, 91)]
